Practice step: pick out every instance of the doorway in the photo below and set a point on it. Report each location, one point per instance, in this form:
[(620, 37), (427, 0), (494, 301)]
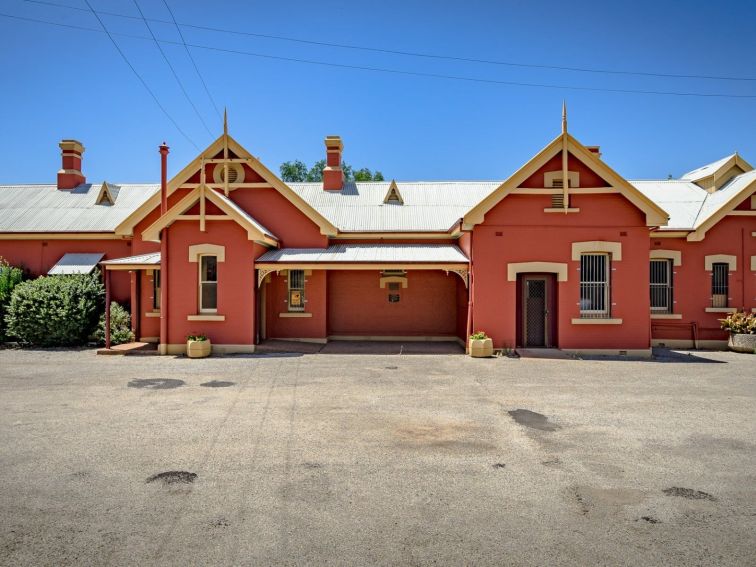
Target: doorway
[(537, 312)]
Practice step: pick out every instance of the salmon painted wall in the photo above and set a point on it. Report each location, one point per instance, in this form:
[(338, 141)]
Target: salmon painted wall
[(517, 230), (236, 283), (149, 327), (358, 306), (588, 178), (276, 301), (692, 283), (38, 256)]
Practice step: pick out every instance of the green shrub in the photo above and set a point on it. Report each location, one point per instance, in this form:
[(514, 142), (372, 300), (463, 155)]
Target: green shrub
[(55, 310), (10, 277), (479, 336), (120, 326)]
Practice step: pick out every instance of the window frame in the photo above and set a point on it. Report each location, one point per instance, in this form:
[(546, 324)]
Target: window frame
[(201, 283), (724, 268), (156, 290), (300, 289), (606, 284), (669, 286)]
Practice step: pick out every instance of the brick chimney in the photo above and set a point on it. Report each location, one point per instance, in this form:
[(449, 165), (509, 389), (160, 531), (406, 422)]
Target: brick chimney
[(333, 176), (70, 174), (594, 150)]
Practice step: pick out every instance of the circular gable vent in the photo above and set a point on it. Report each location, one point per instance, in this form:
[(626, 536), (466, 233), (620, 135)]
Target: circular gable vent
[(235, 173)]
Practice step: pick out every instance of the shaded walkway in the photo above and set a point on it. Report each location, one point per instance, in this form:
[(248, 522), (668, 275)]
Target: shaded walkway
[(360, 347)]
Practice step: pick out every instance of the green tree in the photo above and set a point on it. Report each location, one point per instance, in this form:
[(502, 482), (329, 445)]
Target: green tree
[(10, 277), (316, 171), (365, 174), (293, 171)]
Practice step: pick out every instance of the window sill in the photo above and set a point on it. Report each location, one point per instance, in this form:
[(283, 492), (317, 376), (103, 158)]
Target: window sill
[(152, 314), (560, 210), (294, 314), (666, 315), (721, 309), (597, 321), (205, 317)]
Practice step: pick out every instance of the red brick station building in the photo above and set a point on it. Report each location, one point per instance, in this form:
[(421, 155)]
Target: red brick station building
[(565, 253)]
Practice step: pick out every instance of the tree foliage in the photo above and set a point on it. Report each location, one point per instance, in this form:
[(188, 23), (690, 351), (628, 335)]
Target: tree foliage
[(297, 171), (55, 310), (120, 326), (10, 277)]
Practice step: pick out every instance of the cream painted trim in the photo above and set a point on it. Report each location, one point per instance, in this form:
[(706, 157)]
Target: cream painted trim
[(149, 339), (721, 310), (721, 258), (666, 316), (231, 186), (701, 231), (753, 263), (674, 255), (635, 352), (152, 314), (613, 248), (294, 315), (753, 201), (669, 233), (313, 340), (554, 191), (61, 236), (536, 267), (689, 344), (232, 165), (201, 317), (572, 176), (216, 349), (152, 232), (129, 267), (581, 321), (741, 214), (384, 338), (655, 215), (197, 250), (326, 227), (393, 279), (358, 266), (563, 211)]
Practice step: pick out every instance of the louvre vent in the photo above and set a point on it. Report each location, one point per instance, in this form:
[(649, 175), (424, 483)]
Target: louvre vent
[(233, 174), (557, 200), (557, 183)]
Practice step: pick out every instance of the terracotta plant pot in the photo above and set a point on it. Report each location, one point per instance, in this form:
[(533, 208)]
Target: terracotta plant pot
[(741, 342), (481, 348), (198, 349)]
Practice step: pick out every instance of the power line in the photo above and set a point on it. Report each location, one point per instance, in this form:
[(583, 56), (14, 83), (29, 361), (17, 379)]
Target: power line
[(144, 83), (189, 53), (175, 75), (407, 73), (422, 54)]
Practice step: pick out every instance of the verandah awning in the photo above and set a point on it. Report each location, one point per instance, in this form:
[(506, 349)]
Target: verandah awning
[(141, 262), (76, 263), (367, 254)]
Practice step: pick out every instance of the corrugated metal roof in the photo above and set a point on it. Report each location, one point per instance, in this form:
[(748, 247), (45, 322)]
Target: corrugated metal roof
[(716, 200), (76, 263), (429, 206), (359, 253), (706, 170), (45, 208), (152, 258), (681, 200)]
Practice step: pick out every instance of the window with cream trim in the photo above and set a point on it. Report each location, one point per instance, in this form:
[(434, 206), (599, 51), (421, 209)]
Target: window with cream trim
[(296, 290), (594, 285), (208, 284)]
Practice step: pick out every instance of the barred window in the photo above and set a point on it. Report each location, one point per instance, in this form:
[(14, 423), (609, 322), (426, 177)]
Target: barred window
[(296, 290), (156, 290), (208, 284), (661, 286), (720, 284), (594, 286)]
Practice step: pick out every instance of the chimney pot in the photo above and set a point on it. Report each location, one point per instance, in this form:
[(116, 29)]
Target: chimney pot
[(595, 150), (333, 175), (70, 175)]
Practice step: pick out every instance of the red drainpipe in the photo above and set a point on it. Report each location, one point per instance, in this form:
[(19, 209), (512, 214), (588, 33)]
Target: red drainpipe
[(164, 251), (470, 302), (107, 308)]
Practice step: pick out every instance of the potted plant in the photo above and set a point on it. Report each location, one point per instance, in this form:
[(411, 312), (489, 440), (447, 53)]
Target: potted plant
[(481, 345), (198, 346), (742, 328)]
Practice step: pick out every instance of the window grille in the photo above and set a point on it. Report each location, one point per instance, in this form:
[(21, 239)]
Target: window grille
[(719, 284), (156, 290), (208, 282), (661, 286), (296, 290), (594, 286)]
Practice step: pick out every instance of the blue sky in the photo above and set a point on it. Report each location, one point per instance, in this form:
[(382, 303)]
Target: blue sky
[(62, 82)]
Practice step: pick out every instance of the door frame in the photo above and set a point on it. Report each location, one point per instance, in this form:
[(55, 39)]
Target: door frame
[(550, 326)]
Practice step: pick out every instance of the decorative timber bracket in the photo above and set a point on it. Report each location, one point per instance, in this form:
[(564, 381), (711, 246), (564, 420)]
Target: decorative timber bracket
[(463, 273)]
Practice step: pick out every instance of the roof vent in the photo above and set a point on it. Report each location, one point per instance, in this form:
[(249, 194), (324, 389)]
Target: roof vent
[(393, 197), (105, 197)]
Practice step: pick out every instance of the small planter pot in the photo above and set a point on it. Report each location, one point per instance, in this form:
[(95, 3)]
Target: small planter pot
[(740, 342), (198, 349), (481, 348)]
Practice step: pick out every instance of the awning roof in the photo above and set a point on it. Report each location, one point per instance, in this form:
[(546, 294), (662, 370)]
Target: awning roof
[(148, 261), (367, 254), (76, 263)]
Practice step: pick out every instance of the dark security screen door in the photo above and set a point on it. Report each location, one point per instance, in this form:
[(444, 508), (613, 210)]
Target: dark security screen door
[(534, 312)]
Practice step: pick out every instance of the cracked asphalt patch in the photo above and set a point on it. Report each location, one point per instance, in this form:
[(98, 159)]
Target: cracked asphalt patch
[(337, 459)]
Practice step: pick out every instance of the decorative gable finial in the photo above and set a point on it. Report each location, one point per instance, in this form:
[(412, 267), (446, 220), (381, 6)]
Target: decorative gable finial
[(225, 122), (393, 196), (564, 117)]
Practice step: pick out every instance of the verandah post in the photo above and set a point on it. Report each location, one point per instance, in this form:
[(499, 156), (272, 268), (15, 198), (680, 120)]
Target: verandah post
[(107, 308)]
